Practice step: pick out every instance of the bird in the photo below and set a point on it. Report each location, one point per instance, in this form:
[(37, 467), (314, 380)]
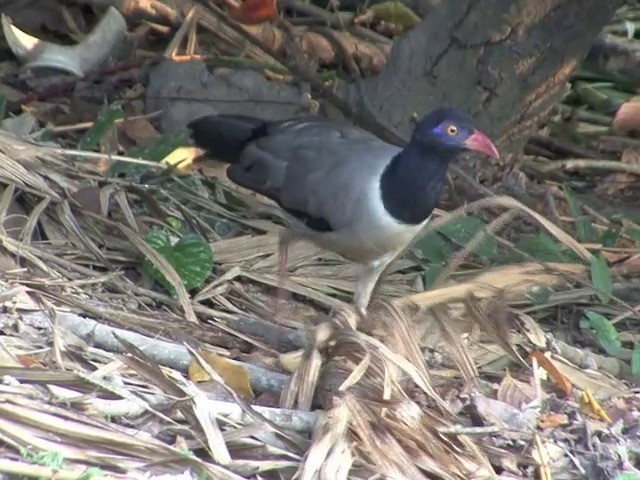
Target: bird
[(341, 187)]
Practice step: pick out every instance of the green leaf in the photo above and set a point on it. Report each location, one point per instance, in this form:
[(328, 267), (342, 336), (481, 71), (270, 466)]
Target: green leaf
[(634, 233), (539, 295), (596, 98), (544, 248), (601, 278), (430, 275), (584, 229), (605, 332), (106, 119), (628, 476), (635, 360), (397, 13), (434, 248), (174, 223), (154, 151), (91, 473), (614, 93), (159, 239), (610, 237), (191, 257), (462, 229), (3, 107)]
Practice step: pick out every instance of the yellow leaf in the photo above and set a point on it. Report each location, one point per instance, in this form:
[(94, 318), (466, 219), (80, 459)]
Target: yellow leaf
[(591, 406), (181, 157), (235, 376)]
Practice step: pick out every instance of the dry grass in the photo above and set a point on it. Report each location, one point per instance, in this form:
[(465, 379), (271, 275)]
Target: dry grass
[(362, 400), (93, 402)]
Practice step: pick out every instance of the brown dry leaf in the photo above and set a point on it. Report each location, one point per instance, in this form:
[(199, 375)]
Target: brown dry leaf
[(591, 406), (532, 330), (29, 361), (138, 130), (552, 420), (515, 392), (558, 378), (504, 415), (234, 375), (46, 112), (632, 262), (627, 118), (254, 12), (88, 199), (614, 257), (601, 384), (616, 182)]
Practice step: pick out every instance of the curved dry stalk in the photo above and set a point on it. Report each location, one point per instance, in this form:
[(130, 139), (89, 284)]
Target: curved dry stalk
[(460, 256), (302, 386), (457, 349), (510, 281), (511, 203)]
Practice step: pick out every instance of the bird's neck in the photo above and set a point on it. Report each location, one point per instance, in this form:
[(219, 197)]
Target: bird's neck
[(411, 184)]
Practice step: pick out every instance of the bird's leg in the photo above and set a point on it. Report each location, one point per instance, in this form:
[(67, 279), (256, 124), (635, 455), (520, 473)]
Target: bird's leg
[(286, 239), (367, 283)]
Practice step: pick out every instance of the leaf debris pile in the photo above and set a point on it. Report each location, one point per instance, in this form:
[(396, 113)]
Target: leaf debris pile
[(136, 329)]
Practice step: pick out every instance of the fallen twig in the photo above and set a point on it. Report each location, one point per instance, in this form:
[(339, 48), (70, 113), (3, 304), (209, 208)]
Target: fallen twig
[(162, 352), (581, 164)]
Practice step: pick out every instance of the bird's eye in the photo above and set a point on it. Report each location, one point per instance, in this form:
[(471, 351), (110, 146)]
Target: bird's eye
[(452, 130)]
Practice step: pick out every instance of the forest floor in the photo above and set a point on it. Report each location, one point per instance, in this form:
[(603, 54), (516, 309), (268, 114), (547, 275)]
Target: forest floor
[(137, 282)]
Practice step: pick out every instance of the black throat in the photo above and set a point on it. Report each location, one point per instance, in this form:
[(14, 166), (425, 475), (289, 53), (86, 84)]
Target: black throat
[(411, 184)]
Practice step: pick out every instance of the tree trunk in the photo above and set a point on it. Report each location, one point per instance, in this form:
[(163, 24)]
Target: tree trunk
[(506, 62)]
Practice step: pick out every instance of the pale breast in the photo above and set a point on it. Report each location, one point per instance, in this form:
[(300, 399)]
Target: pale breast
[(347, 194), (371, 232), (365, 248)]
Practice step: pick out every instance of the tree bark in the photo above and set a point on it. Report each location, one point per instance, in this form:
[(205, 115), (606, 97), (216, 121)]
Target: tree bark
[(505, 62)]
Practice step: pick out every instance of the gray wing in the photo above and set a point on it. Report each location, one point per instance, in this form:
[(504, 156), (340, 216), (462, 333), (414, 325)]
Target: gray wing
[(319, 168)]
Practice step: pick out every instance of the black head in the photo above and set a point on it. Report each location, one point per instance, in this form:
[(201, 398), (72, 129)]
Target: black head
[(451, 130)]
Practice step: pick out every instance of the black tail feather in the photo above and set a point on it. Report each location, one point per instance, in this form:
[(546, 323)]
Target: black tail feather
[(225, 136)]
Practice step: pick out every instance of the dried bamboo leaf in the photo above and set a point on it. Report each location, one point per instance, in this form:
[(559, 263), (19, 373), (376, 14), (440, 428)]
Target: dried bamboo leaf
[(511, 281)]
